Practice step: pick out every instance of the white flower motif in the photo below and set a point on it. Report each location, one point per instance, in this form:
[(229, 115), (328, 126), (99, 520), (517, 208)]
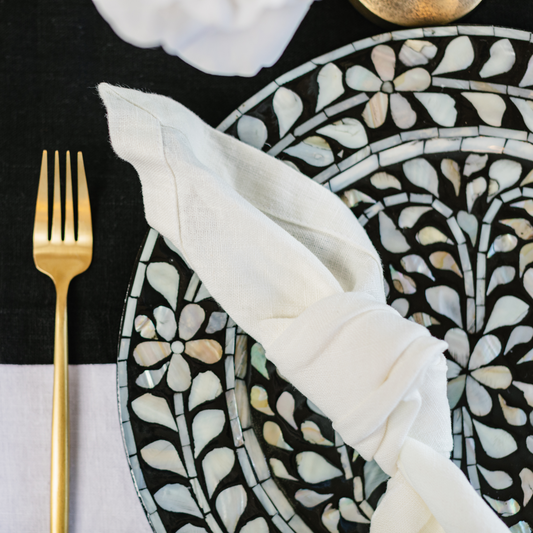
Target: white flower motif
[(192, 317), (361, 79), (224, 37), (472, 372)]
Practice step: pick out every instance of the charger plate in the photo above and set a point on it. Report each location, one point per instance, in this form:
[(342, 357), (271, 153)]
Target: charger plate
[(426, 135)]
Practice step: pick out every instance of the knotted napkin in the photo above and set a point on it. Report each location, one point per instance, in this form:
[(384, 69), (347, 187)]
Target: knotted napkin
[(292, 266)]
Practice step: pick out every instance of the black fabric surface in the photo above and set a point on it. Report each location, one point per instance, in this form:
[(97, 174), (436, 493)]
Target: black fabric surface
[(54, 54)]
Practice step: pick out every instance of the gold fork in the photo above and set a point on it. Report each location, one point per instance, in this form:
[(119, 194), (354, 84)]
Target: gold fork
[(61, 258)]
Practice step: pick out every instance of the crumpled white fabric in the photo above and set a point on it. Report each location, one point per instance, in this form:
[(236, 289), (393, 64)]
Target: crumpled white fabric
[(225, 37), (293, 267)]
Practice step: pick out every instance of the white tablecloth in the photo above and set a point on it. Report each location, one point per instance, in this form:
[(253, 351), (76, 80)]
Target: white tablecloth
[(102, 495)]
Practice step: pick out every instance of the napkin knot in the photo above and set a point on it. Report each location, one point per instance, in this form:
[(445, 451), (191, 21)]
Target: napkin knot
[(381, 380), (388, 374)]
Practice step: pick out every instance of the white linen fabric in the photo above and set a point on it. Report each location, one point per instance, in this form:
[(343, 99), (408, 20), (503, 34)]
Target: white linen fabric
[(293, 267), (102, 494), (225, 37)]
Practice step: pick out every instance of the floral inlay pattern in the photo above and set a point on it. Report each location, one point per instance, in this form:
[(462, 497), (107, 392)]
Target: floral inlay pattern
[(415, 79), (426, 136)]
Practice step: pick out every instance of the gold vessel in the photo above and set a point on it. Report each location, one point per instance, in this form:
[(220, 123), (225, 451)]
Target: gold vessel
[(411, 13)]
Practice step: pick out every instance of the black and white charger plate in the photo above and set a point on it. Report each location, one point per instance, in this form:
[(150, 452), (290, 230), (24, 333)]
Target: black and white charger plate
[(426, 134)]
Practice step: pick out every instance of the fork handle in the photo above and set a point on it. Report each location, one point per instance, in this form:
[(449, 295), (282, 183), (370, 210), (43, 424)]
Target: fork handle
[(60, 419)]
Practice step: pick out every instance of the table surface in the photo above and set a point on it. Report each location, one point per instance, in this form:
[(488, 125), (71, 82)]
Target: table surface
[(54, 54)]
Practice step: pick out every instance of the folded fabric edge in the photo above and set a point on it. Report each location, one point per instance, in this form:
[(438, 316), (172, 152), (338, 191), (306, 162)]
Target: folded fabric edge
[(166, 112), (142, 147)]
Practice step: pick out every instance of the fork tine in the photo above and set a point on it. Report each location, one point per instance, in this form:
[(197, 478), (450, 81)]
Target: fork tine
[(85, 232), (40, 228), (56, 213), (69, 207)]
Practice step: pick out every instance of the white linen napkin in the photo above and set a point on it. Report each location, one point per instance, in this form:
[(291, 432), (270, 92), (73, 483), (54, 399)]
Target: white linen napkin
[(293, 267)]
